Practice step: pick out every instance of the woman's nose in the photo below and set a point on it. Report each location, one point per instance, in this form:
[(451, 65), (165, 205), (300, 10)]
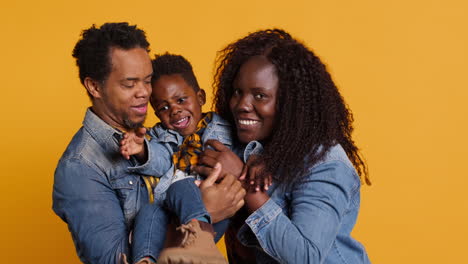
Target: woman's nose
[(244, 104)]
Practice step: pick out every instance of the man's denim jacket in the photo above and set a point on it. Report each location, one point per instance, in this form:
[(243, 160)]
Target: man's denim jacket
[(311, 221), (97, 192)]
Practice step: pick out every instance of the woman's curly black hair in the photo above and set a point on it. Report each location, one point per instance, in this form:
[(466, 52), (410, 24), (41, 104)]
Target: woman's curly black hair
[(311, 114)]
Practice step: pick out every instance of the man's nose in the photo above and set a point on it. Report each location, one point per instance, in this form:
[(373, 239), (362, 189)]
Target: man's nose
[(144, 89)]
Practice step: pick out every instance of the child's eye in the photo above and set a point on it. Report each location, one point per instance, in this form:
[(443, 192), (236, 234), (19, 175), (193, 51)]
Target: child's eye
[(181, 100), (164, 108)]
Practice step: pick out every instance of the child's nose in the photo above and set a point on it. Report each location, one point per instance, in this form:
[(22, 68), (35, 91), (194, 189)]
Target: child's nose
[(175, 110)]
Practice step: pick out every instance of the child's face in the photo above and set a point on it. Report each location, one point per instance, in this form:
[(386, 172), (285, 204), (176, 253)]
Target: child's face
[(177, 104)]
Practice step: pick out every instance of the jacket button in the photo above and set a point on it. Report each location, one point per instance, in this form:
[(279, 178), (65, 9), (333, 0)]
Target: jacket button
[(130, 182)]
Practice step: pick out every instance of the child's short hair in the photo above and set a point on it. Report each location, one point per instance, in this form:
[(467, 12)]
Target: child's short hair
[(168, 64)]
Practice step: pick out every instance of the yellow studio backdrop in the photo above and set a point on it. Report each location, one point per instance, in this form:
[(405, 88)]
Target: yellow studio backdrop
[(401, 66)]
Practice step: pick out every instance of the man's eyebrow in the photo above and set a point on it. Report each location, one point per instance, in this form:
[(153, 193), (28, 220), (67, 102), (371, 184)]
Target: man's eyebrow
[(149, 75), (136, 78)]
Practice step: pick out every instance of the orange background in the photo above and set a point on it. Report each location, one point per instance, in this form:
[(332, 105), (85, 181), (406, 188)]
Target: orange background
[(401, 66)]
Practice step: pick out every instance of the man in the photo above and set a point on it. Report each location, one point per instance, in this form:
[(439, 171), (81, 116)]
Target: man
[(96, 191)]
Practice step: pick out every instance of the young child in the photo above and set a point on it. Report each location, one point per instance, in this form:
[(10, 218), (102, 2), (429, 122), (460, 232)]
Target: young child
[(172, 150)]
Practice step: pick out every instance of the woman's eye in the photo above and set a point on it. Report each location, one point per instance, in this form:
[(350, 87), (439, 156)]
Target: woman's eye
[(259, 96), (236, 92)]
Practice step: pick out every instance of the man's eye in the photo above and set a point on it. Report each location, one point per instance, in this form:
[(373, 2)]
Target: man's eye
[(129, 85)]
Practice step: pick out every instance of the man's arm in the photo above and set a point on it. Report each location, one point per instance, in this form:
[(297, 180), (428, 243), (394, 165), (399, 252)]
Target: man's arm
[(83, 198)]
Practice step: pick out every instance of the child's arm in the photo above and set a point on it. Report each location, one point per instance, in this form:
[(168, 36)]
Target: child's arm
[(133, 143), (154, 157)]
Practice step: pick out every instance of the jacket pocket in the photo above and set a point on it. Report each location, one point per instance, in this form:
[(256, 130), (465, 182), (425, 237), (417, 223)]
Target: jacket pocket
[(126, 189)]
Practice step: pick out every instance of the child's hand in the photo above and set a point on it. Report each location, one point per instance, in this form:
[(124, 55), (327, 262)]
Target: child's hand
[(254, 176), (133, 143)]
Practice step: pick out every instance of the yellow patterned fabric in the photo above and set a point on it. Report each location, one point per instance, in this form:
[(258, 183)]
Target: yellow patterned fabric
[(150, 182), (191, 147)]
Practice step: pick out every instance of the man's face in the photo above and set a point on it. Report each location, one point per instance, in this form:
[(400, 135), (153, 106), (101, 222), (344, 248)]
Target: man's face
[(177, 104), (122, 100)]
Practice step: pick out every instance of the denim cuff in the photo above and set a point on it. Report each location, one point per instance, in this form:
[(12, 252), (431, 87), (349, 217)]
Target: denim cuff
[(256, 221), (263, 215), (252, 148), (141, 167)]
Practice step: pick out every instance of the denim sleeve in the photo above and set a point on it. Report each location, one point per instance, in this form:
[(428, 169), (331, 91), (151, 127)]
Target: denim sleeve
[(220, 228), (159, 159), (306, 231), (83, 198)]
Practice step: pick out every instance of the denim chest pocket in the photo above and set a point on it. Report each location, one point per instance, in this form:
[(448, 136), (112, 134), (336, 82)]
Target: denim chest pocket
[(126, 188)]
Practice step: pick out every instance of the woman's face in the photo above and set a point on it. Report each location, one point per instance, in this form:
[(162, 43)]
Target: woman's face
[(253, 103)]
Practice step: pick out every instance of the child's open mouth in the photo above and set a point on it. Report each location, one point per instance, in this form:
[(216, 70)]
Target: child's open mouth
[(182, 123)]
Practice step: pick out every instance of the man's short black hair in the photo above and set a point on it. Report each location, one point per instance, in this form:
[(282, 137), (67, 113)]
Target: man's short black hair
[(168, 64), (92, 51)]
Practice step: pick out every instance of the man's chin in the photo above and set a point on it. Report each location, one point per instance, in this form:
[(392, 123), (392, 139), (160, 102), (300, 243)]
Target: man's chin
[(130, 124)]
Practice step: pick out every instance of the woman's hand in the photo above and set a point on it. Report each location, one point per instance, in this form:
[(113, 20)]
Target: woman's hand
[(256, 182), (254, 175), (220, 153)]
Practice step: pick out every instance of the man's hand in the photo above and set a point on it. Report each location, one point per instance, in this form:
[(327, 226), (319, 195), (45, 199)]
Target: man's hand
[(219, 154), (133, 143), (222, 200)]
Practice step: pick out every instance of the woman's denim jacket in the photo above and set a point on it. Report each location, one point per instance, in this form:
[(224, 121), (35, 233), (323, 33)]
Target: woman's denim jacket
[(98, 193), (311, 221)]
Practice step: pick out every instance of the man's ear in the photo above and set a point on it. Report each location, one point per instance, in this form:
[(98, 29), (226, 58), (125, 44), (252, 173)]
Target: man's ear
[(201, 97), (93, 87)]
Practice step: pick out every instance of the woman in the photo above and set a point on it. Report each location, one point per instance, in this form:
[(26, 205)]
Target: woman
[(283, 103)]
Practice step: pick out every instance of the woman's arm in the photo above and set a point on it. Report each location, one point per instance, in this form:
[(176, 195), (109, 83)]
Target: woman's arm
[(316, 206)]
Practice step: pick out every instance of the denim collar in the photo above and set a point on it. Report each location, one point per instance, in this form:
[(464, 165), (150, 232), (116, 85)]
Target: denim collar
[(171, 136), (167, 135), (104, 134), (218, 121)]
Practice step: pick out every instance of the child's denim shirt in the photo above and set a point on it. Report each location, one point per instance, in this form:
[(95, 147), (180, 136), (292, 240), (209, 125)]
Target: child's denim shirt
[(311, 221), (163, 144)]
